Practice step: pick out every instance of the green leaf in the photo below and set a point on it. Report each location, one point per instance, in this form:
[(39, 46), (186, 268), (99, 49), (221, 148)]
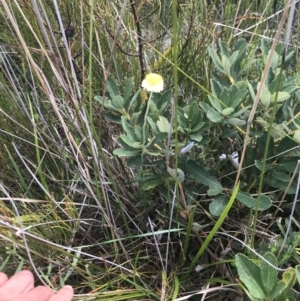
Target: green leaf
[(194, 113), (265, 202), (138, 145), (268, 273), (215, 103), (290, 88), (121, 152), (297, 269), (279, 291), (236, 121), (196, 137), (152, 124), (150, 184), (281, 96), (246, 199), (164, 100), (215, 58), (113, 117), (126, 142), (163, 125), (289, 277), (259, 165), (118, 102), (251, 91), (287, 165), (242, 84), (236, 96), (249, 273), (265, 96), (241, 111), (274, 59), (128, 129), (216, 91), (281, 176), (138, 132), (112, 88), (127, 91), (211, 114), (227, 111), (288, 58), (264, 46), (135, 118), (198, 125), (226, 65), (296, 136), (248, 64), (107, 103), (233, 57), (135, 102), (134, 161), (223, 48), (204, 177), (159, 137), (275, 183), (285, 144), (180, 174), (217, 206)]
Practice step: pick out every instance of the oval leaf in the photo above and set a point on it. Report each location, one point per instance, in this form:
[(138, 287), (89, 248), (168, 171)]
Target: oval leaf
[(217, 206), (249, 273)]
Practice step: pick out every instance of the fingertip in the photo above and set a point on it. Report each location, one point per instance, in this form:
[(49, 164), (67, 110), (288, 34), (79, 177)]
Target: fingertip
[(21, 282), (69, 287), (65, 293), (25, 273), (3, 278)]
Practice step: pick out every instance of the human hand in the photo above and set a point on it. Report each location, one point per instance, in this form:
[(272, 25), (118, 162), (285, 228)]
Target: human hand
[(20, 287)]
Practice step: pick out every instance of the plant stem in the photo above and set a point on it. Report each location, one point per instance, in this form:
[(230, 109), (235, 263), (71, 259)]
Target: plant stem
[(145, 121)]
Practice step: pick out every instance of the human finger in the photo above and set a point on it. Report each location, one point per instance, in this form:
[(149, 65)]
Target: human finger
[(64, 294), (3, 278), (19, 284), (39, 293)]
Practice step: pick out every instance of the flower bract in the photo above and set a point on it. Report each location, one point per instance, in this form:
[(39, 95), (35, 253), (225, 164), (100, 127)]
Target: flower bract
[(153, 82)]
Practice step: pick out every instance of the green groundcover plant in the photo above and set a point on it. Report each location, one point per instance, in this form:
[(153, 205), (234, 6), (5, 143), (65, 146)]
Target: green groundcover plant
[(186, 148), (206, 129)]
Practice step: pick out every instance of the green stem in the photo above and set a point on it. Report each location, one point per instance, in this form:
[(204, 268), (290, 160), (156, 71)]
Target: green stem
[(145, 121)]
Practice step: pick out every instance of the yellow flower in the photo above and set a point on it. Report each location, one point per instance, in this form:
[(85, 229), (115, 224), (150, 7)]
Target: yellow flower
[(153, 82)]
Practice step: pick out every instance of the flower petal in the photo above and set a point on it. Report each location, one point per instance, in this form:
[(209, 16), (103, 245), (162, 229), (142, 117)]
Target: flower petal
[(153, 82)]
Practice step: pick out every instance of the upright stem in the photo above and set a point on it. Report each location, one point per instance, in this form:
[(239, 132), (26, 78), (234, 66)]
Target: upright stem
[(145, 120)]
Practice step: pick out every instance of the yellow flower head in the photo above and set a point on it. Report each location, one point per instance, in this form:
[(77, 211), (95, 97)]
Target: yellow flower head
[(153, 82)]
